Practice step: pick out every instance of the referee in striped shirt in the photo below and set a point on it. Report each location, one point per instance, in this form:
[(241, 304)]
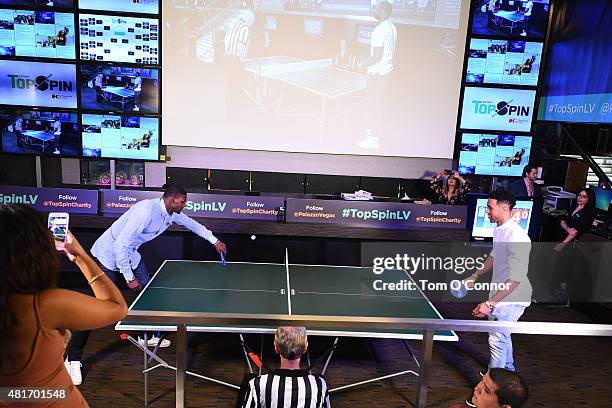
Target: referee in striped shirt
[(236, 51), (288, 386)]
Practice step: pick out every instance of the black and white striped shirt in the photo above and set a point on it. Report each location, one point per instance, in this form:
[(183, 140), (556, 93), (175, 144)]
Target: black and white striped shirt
[(288, 389), (237, 35)]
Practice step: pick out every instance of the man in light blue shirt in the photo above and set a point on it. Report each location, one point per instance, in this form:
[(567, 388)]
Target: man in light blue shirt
[(117, 253)]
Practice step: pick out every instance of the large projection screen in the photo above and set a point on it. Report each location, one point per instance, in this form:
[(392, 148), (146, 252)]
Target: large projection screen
[(290, 76)]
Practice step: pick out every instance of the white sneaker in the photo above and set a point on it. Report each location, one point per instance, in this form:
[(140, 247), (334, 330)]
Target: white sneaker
[(370, 142), (152, 342), (136, 108), (56, 151), (524, 33), (74, 370)]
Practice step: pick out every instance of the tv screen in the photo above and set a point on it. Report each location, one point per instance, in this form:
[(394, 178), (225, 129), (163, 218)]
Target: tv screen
[(504, 62), (38, 84), (130, 6), (497, 109), (56, 4), (120, 137), (577, 86), (483, 228), (493, 155), (43, 34), (603, 198), (521, 18), (40, 133), (115, 88), (119, 39)]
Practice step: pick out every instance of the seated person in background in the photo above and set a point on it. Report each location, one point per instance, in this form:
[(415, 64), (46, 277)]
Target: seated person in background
[(453, 190), (525, 187), (580, 219), (499, 388), (35, 315), (302, 389)]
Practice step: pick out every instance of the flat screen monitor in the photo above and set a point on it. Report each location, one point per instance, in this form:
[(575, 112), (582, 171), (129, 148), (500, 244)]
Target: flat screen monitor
[(494, 155), (116, 88), (504, 62), (517, 18), (52, 4), (42, 34), (603, 198), (129, 6), (525, 213), (38, 84), (40, 133), (497, 109), (119, 39), (120, 137)]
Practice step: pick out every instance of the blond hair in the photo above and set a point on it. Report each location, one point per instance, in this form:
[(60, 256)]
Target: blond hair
[(291, 342)]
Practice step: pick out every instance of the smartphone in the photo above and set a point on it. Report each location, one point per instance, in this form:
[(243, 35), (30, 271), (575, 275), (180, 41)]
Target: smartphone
[(448, 172), (58, 225)]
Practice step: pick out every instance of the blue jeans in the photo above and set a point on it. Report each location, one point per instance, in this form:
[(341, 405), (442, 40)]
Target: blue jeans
[(79, 338), (500, 343), (140, 272)]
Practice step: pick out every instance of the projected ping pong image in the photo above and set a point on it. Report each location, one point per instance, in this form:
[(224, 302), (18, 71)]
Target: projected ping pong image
[(116, 88), (323, 77), (40, 133), (523, 18)]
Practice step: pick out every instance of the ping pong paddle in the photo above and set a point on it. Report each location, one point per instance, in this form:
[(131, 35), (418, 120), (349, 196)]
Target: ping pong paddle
[(459, 292), (222, 258)]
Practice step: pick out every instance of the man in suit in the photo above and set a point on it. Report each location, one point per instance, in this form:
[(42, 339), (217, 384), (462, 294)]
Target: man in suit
[(525, 187)]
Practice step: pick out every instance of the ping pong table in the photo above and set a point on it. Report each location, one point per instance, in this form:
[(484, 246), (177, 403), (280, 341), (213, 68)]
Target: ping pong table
[(39, 138), (508, 19), (277, 289), (301, 79), (119, 94)]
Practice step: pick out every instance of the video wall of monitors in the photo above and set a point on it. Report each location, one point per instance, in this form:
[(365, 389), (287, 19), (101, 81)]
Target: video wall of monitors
[(76, 81), (503, 57)]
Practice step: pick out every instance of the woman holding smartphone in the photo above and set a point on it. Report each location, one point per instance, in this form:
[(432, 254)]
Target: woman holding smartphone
[(35, 315)]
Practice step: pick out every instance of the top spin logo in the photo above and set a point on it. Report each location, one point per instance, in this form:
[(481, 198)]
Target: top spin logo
[(497, 109), (37, 84)]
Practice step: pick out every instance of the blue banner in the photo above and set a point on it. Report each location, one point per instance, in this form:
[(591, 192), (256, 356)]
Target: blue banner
[(52, 199), (376, 214)]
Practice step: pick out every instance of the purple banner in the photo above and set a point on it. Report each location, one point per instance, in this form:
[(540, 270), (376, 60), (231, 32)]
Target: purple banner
[(376, 214), (52, 199), (202, 205)]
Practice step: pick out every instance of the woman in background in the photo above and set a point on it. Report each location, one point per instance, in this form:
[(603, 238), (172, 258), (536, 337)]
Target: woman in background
[(453, 190), (35, 315)]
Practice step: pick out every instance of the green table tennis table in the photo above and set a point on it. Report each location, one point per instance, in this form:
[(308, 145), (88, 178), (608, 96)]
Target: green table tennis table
[(278, 289)]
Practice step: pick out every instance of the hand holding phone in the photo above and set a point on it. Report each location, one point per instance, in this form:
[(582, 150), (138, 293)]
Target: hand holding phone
[(58, 225)]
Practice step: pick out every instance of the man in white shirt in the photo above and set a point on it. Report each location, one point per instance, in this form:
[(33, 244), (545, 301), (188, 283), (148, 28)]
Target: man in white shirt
[(510, 262), (378, 66), (137, 87), (116, 252), (527, 14), (57, 134), (18, 129), (98, 84)]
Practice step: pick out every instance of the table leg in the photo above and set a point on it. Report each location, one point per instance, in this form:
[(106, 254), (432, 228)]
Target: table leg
[(146, 372), (181, 364), (421, 397)]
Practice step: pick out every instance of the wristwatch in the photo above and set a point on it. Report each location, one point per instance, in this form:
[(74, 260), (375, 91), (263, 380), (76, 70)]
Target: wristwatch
[(489, 305)]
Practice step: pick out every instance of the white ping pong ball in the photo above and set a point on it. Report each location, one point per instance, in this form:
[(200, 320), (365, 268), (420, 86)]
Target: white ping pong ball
[(253, 237)]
